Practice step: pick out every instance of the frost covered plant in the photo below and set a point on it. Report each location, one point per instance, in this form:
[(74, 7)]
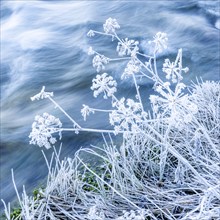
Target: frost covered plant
[(160, 42), (95, 214), (42, 129), (169, 101), (132, 67), (127, 47), (42, 95), (91, 51), (99, 61), (104, 84), (173, 70), (132, 215), (85, 111), (127, 116), (167, 164), (110, 26)]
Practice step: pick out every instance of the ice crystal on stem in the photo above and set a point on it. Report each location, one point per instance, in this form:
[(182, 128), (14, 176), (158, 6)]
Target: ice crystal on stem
[(91, 33), (42, 95), (85, 111)]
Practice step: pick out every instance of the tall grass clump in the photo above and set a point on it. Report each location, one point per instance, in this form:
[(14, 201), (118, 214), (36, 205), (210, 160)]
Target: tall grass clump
[(167, 165)]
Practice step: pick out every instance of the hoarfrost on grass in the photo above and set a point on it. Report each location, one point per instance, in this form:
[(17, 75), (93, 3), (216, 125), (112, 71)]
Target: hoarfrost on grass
[(168, 156)]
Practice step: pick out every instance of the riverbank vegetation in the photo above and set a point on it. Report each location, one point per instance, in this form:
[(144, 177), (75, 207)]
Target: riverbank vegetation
[(167, 165)]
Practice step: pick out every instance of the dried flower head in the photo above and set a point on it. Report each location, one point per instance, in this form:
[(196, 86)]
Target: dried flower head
[(110, 26), (99, 61), (160, 42), (173, 70), (91, 51), (133, 66), (42, 129), (104, 84), (125, 47), (126, 116)]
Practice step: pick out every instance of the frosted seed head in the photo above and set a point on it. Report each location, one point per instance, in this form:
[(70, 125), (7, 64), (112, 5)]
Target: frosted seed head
[(91, 51), (42, 129), (90, 33), (104, 84), (110, 26), (160, 42)]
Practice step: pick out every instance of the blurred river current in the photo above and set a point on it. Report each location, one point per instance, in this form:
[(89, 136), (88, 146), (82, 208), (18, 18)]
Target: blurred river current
[(45, 43)]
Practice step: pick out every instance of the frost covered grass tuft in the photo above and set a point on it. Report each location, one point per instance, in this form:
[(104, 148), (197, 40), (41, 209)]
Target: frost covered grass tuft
[(168, 163)]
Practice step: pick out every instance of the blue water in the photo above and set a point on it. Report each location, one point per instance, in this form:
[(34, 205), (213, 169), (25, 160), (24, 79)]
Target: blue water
[(45, 43)]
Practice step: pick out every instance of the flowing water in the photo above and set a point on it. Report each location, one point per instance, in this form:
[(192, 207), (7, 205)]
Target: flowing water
[(45, 43)]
